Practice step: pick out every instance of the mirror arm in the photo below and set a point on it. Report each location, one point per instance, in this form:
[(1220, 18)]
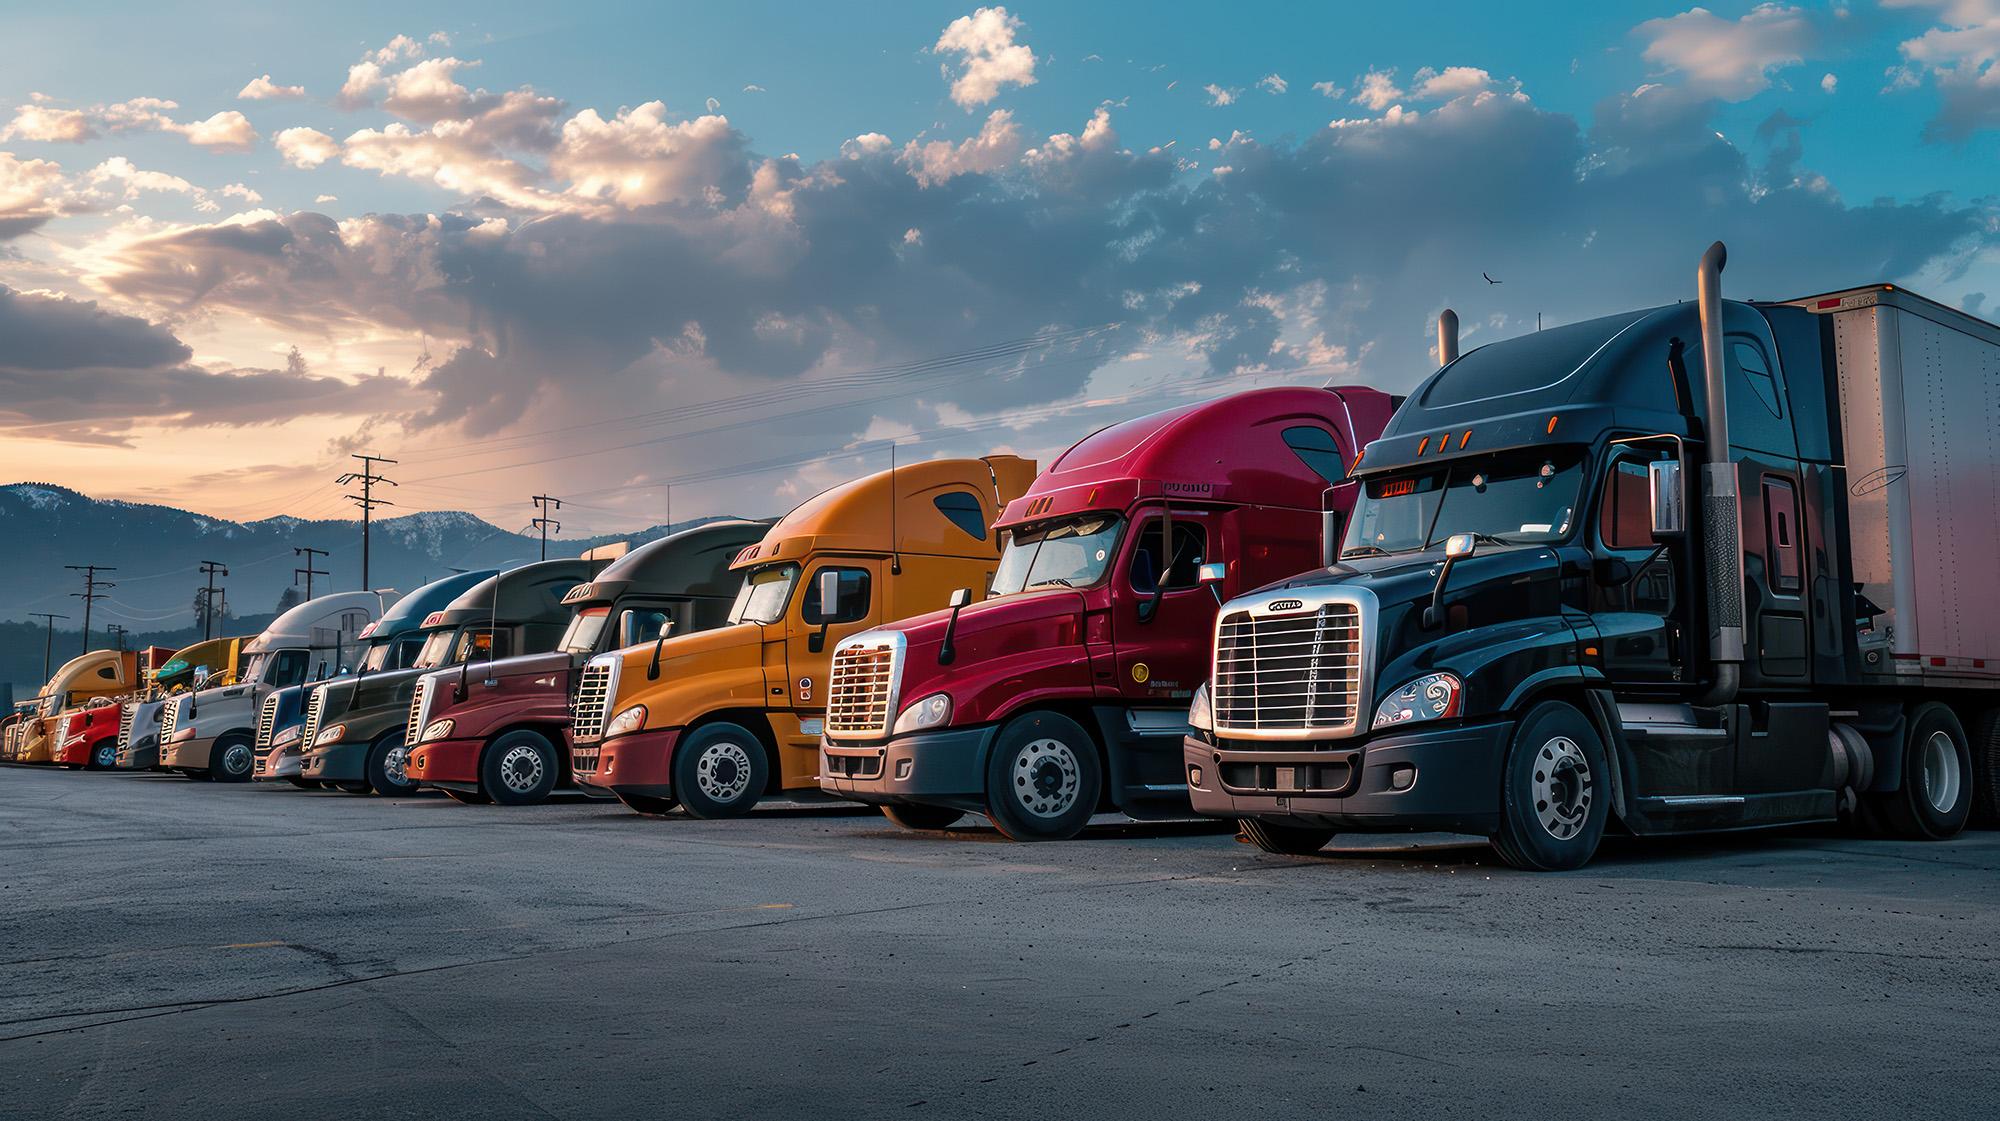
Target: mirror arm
[(1639, 569), (947, 648), (1434, 614), (816, 642), (653, 667)]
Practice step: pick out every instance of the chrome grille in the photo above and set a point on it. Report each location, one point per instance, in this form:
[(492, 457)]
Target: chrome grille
[(126, 714), (267, 722), (861, 688), (314, 704), (415, 727), (171, 718), (1290, 676), (593, 696)]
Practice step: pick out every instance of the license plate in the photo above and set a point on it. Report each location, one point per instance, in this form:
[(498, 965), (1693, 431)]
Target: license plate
[(1288, 778)]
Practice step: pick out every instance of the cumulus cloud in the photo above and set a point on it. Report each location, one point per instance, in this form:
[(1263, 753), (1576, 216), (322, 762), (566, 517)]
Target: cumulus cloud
[(1378, 90), (31, 193), (262, 88), (49, 125), (937, 161), (641, 158), (1730, 59), (227, 131), (1829, 83), (1962, 57), (120, 171), (1273, 84), (1329, 89), (989, 56), (305, 147), (1452, 81), (1219, 95)]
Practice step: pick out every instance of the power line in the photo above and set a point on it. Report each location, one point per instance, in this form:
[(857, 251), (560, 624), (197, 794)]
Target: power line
[(49, 642), (366, 500), (117, 634), (90, 595), (308, 571), (209, 569), (543, 505)]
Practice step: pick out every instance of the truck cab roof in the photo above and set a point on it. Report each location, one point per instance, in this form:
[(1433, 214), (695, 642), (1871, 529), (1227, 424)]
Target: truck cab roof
[(940, 507), (532, 593), (409, 612), (692, 562), (322, 615)]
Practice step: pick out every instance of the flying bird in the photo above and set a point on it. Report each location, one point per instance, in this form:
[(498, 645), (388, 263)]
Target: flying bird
[(1490, 280)]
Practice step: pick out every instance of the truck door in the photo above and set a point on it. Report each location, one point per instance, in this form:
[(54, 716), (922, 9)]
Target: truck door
[(812, 629), (1782, 650), (1162, 618), (1633, 587)]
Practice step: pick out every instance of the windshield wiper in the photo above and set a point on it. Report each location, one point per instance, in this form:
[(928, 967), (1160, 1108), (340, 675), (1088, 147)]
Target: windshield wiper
[(1492, 539), (1364, 551), (1052, 582)]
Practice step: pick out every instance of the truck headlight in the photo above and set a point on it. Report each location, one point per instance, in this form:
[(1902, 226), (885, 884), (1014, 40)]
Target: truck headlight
[(286, 737), (1199, 717), (329, 735), (1429, 697), (927, 713), (436, 730), (631, 720)]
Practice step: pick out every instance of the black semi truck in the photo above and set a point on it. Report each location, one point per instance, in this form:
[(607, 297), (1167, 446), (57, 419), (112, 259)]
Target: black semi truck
[(1711, 566)]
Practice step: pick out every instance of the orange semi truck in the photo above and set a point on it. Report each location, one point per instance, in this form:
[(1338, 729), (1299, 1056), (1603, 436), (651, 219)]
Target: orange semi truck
[(715, 721), (87, 677)]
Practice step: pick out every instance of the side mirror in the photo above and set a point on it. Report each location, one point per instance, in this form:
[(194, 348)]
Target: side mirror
[(948, 647), (1459, 545), (1214, 572), (1663, 478), (829, 594), (666, 627), (653, 667), (960, 598)]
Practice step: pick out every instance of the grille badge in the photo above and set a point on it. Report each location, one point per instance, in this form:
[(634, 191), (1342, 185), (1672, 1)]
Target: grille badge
[(1286, 605)]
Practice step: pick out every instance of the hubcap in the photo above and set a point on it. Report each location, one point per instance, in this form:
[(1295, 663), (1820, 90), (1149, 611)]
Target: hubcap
[(723, 772), (107, 755), (1047, 778), (236, 759), (396, 765), (1941, 774), (1563, 788), (521, 769)]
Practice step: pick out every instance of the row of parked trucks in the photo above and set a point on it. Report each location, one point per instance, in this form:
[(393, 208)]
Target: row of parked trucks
[(1713, 566)]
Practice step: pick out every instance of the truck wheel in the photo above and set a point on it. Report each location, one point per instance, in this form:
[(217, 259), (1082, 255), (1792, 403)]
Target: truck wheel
[(387, 763), (1936, 793), (1043, 780), (1986, 770), (1553, 796), (1285, 840), (468, 797), (518, 769), (926, 818), (231, 760), (648, 805), (104, 756), (720, 770)]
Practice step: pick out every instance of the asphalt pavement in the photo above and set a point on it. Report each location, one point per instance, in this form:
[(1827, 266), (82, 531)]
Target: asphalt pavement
[(179, 949)]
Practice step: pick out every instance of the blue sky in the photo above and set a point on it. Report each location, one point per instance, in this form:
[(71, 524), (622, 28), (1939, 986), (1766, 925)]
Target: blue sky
[(462, 270)]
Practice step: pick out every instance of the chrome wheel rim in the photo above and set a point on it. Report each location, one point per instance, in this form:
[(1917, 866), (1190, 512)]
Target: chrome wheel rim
[(722, 773), (107, 756), (1563, 788), (236, 759), (521, 769), (1942, 778), (396, 765), (1047, 778)]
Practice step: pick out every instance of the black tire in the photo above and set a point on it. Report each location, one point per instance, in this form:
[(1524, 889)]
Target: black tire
[(1555, 793), (1935, 797), (1043, 779), (387, 760), (648, 805), (231, 760), (468, 797), (1286, 840), (928, 819), (720, 770), (518, 769), (1986, 770), (104, 756), (302, 783)]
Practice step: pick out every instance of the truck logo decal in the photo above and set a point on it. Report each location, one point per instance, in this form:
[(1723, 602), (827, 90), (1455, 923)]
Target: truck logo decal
[(805, 688), (434, 618), (1286, 604), (1187, 488), (580, 592), (1141, 671)]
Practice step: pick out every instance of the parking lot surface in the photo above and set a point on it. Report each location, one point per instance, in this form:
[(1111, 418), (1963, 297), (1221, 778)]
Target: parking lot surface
[(179, 949)]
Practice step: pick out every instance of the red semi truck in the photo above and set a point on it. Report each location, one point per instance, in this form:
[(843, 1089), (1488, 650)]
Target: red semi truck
[(1065, 692)]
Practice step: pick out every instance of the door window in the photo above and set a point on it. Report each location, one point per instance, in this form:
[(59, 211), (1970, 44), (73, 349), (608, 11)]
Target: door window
[(641, 624), (854, 593), (288, 668), (1183, 568), (1626, 519)]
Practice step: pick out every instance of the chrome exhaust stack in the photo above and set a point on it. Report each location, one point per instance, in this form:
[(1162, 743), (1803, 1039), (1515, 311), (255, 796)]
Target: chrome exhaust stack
[(1721, 524), (1447, 338)]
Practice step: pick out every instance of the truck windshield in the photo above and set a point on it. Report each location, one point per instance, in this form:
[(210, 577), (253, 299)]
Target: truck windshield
[(1066, 554), (764, 594), (585, 628), (1505, 500), (437, 647)]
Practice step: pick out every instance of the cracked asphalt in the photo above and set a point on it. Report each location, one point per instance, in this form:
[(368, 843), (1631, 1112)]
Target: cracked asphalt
[(175, 949)]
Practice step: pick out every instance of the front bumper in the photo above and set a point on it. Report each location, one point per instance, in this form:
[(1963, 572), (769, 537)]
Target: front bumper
[(946, 767), (186, 755), (278, 763), (447, 764), (336, 762), (140, 755), (638, 763), (1453, 780)]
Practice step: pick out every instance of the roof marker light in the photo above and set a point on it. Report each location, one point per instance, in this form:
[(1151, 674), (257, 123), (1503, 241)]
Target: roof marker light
[(1422, 444), (1444, 442), (1464, 438), (1552, 426)]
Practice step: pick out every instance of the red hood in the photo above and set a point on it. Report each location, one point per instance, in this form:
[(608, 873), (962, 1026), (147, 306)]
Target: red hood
[(990, 630), (524, 675)]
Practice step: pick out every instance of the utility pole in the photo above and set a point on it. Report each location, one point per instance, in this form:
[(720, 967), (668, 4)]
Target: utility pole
[(543, 505), (308, 571), (49, 643), (118, 635), (366, 500), (210, 569), (90, 594)]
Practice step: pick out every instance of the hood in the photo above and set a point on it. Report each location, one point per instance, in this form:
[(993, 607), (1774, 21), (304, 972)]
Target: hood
[(525, 673), (348, 695), (696, 645), (992, 626)]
